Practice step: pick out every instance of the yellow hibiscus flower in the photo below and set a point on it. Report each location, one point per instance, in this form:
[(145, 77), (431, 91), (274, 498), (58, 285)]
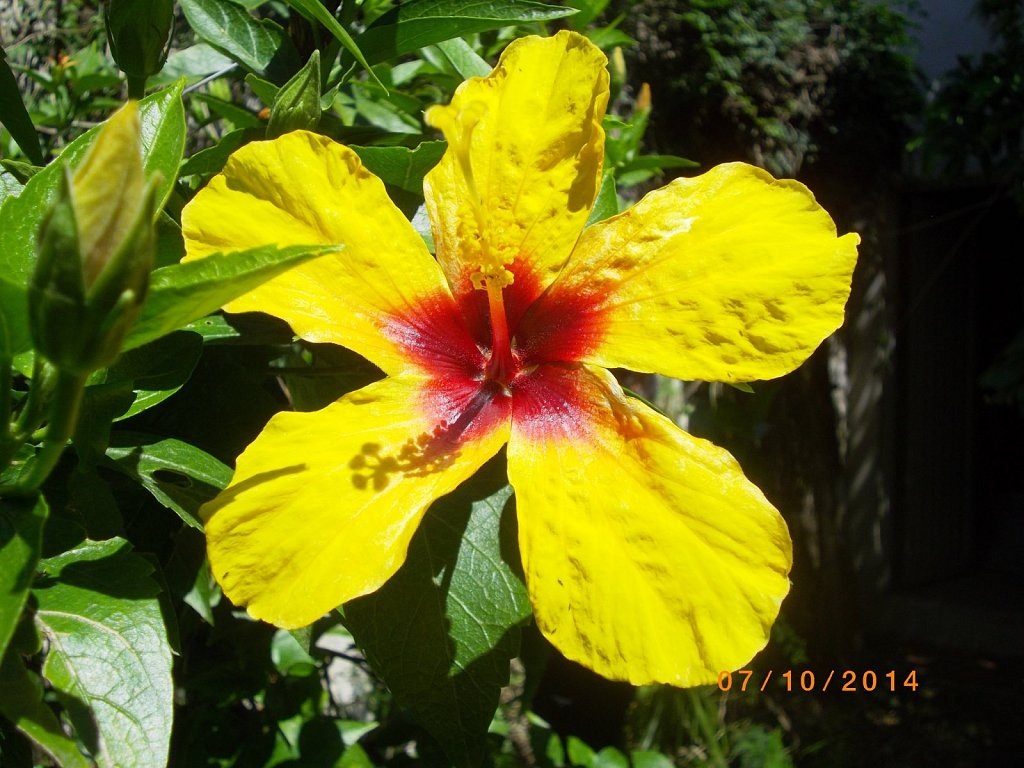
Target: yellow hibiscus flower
[(648, 555)]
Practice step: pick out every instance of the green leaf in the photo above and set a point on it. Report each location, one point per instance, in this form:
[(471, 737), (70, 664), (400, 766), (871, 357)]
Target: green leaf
[(14, 331), (588, 11), (21, 536), (163, 139), (606, 38), (400, 166), (265, 90), (177, 474), (170, 245), (297, 105), (211, 160), (15, 117), (9, 185), (610, 757), (384, 113), (442, 631), (607, 202), (261, 46), (420, 23), (579, 753), (314, 9), (289, 657), (355, 757), (234, 116), (650, 759), (154, 371), (90, 501), (465, 60), (108, 650), (205, 593), (21, 171), (213, 328), (181, 293), (632, 178), (22, 704), (188, 574), (192, 63), (657, 163)]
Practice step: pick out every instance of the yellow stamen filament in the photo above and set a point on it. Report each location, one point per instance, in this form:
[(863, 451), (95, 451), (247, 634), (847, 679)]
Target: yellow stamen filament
[(458, 127), (491, 274)]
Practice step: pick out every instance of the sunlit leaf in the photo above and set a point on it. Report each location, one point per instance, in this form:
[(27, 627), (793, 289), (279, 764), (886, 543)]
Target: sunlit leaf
[(419, 23), (9, 185), (463, 58), (259, 45), (108, 650), (181, 293), (209, 161)]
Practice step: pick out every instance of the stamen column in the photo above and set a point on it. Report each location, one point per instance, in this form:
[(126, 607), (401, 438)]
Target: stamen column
[(502, 364)]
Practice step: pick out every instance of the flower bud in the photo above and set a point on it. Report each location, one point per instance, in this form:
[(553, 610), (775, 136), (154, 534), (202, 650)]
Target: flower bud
[(96, 247), (139, 32)]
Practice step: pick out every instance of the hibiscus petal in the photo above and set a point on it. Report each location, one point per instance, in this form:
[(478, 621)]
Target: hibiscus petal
[(323, 504), (378, 296), (530, 133), (648, 555), (729, 276)]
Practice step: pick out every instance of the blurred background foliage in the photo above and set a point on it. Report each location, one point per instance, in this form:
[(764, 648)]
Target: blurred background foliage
[(822, 90)]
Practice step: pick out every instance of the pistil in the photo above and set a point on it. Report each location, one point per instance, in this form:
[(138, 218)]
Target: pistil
[(501, 364)]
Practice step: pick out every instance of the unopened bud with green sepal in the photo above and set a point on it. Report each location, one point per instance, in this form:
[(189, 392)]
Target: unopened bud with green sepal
[(139, 32), (297, 104), (96, 248)]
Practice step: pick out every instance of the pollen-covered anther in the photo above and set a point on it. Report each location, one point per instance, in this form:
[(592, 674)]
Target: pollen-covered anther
[(486, 277)]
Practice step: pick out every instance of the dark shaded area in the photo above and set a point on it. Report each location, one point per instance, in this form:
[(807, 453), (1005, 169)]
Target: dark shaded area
[(965, 712)]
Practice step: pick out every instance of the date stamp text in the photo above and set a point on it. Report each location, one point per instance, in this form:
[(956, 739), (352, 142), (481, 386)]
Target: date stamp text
[(844, 680)]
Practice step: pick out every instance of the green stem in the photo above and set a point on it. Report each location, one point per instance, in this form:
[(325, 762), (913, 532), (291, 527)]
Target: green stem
[(44, 380), (136, 86), (65, 404), (15, 433), (697, 703)]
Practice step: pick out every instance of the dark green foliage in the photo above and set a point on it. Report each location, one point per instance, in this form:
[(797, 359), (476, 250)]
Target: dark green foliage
[(975, 129), (772, 81), (975, 124)]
